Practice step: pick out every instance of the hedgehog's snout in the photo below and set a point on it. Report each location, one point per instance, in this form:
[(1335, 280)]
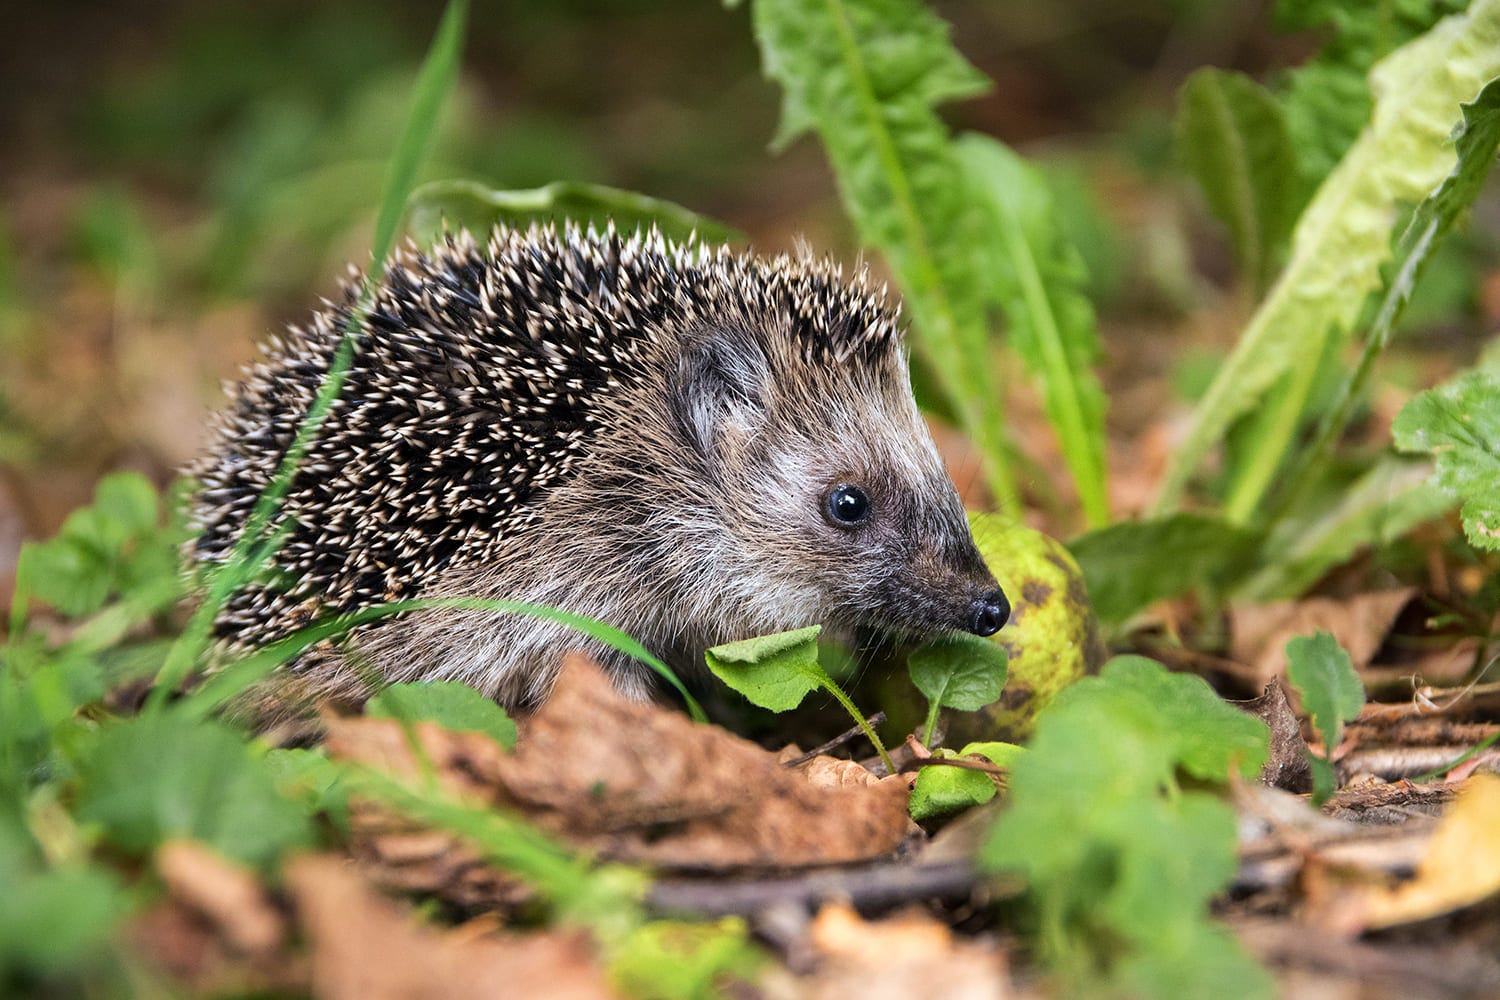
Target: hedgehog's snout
[(988, 613)]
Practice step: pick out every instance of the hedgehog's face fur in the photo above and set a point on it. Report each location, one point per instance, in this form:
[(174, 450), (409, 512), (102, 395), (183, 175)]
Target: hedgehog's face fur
[(822, 494)]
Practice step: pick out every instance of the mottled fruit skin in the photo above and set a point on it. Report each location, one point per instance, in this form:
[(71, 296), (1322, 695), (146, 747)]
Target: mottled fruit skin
[(692, 444)]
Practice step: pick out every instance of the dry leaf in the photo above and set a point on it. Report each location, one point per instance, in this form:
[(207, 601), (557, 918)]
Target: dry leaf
[(1260, 632), (365, 948), (908, 955), (1461, 867), (229, 895), (636, 782)]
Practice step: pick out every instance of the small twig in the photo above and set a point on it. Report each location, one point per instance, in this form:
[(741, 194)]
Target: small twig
[(968, 765), (878, 887), (837, 741)]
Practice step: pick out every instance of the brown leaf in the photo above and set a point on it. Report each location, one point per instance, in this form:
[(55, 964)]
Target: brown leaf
[(228, 894), (908, 955), (364, 947), (1461, 867), (1260, 632), (1286, 765), (637, 782)]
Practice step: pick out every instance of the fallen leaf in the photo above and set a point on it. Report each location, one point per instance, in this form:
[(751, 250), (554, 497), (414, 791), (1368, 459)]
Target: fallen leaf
[(228, 894), (364, 947), (635, 782), (1461, 867), (908, 955), (1259, 632), (1286, 763)]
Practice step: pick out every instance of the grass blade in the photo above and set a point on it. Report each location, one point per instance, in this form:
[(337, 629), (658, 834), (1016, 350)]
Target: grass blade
[(434, 83)]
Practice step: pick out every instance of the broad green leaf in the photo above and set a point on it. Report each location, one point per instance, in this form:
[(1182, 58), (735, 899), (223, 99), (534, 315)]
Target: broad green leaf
[(159, 776), (1121, 896), (1038, 279), (54, 921), (959, 671), (867, 75), (1327, 100), (1459, 423), (774, 671), (1232, 138), (1343, 239), (451, 704), (461, 204), (1476, 141), (1331, 693), (1131, 564), (1208, 736), (1378, 508), (941, 789)]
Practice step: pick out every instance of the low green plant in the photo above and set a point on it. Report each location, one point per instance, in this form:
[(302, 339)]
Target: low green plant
[(1118, 824), (944, 788), (957, 671), (1331, 693), (777, 671)]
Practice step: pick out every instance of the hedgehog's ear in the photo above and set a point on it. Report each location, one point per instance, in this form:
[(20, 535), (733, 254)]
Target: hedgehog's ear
[(719, 390)]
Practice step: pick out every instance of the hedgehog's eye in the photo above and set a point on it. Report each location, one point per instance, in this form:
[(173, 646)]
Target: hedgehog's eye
[(846, 505)]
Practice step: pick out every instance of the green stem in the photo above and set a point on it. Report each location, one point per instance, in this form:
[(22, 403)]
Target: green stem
[(1269, 450), (859, 718), (933, 708)]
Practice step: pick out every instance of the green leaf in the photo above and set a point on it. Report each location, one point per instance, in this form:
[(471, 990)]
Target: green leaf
[(54, 921), (672, 960), (1341, 242), (868, 75), (1206, 735), (1331, 693), (959, 671), (451, 704), (1380, 507), (1327, 101), (1121, 897), (1038, 279), (159, 776), (1459, 423), (942, 789), (774, 671), (1131, 564), (1476, 141), (470, 205), (1232, 138)]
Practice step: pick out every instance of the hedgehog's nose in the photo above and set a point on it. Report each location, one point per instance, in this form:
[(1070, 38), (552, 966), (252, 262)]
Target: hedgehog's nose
[(988, 613)]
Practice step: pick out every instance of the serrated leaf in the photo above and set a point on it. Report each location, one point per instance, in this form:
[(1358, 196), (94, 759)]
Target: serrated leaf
[(470, 205), (867, 75), (159, 776), (1208, 736), (1232, 138), (1131, 564), (1343, 238), (453, 705), (774, 671), (959, 671), (940, 790), (1129, 885), (1038, 279), (1459, 423), (1331, 693)]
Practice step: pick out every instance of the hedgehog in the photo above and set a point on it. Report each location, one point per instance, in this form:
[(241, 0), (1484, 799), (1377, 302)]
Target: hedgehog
[(690, 443)]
